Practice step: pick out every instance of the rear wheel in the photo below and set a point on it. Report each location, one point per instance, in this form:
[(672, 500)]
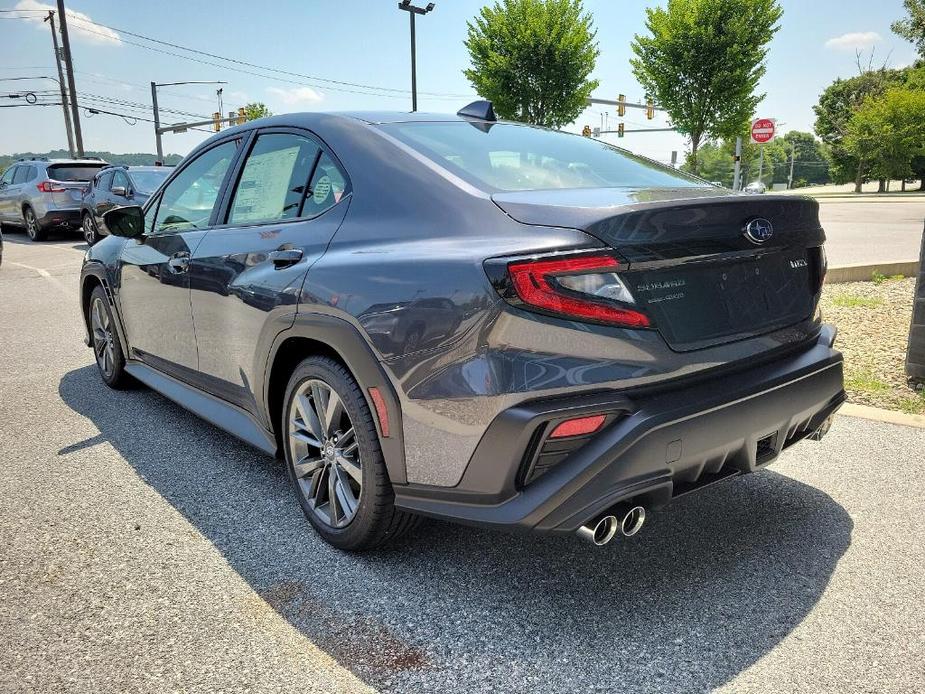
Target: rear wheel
[(334, 459), (35, 231), (89, 229), (107, 348)]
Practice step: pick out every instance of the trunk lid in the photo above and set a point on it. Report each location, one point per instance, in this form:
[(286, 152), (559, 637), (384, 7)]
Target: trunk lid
[(692, 265)]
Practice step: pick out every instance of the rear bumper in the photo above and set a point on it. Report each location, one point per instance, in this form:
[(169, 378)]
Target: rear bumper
[(55, 217), (657, 446)]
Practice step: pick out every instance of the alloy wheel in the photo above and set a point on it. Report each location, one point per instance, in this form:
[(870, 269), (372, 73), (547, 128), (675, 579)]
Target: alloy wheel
[(32, 226), (89, 231), (103, 342), (324, 453)]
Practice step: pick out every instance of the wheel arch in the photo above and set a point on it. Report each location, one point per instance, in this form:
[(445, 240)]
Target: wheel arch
[(319, 334)]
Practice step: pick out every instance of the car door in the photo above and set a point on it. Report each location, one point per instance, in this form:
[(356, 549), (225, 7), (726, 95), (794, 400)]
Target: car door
[(288, 199), (19, 190), (7, 199), (154, 269)]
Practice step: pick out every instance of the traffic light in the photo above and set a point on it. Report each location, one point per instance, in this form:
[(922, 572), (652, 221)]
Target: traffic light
[(586, 131), (621, 105), (242, 116), (650, 108), (620, 130), (216, 121)]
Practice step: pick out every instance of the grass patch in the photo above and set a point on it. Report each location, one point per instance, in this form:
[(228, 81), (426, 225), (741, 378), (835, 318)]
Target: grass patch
[(865, 382), (878, 277), (913, 404), (854, 301)]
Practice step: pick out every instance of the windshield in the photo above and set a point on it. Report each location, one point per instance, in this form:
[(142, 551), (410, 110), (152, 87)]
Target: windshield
[(510, 157), (74, 172), (147, 181)]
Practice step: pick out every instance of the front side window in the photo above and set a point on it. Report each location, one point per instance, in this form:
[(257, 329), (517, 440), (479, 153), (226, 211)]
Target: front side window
[(509, 157), (327, 188), (104, 180), (188, 200), (273, 181)]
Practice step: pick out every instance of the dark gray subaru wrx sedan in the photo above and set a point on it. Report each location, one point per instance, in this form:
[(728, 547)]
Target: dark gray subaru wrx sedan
[(456, 317)]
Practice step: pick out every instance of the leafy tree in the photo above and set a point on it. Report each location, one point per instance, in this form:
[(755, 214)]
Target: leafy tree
[(532, 59), (702, 61), (837, 105), (255, 110), (888, 130), (912, 28)]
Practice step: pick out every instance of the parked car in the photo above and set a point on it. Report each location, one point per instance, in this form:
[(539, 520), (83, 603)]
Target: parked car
[(41, 194), (1, 246), (616, 333), (115, 186), (756, 188)]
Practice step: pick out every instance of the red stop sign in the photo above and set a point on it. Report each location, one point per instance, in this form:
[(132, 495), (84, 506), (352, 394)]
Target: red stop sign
[(763, 130)]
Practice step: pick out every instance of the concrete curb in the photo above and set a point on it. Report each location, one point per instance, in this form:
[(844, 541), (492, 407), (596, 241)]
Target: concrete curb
[(850, 409), (863, 273)]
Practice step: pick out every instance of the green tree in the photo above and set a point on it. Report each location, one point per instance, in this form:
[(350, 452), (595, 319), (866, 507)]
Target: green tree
[(702, 61), (888, 130), (912, 28), (837, 105), (532, 59), (255, 110), (810, 163)]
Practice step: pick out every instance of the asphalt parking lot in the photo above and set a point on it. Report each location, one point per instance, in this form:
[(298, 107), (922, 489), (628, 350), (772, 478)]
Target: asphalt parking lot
[(144, 550), (872, 231)]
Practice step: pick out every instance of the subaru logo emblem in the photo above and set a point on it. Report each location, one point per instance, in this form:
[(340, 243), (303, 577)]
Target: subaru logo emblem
[(759, 230)]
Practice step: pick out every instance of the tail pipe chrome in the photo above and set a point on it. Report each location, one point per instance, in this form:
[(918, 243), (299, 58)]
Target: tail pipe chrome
[(626, 519)]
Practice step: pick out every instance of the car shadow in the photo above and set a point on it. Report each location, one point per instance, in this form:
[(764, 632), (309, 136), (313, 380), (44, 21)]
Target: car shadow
[(711, 584)]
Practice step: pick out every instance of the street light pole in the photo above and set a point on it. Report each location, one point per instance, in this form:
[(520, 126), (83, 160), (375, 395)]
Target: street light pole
[(412, 11), (157, 115), (67, 116)]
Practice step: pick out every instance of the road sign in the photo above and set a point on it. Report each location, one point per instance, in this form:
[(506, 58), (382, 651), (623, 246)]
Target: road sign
[(763, 130)]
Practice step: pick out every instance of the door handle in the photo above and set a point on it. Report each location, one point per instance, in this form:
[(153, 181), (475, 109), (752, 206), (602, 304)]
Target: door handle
[(284, 257), (179, 262)]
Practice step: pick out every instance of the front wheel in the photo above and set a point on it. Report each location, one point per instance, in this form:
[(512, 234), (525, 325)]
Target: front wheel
[(34, 230), (110, 359), (334, 459), (89, 230)]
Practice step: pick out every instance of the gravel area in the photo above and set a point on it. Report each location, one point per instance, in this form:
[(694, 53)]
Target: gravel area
[(873, 328)]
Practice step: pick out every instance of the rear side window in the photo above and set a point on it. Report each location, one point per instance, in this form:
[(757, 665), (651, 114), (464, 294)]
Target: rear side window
[(328, 186), (24, 173), (73, 172), (274, 179), (8, 175), (509, 157)]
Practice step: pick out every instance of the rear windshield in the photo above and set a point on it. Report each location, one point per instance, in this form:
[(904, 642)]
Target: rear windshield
[(73, 172), (148, 181), (509, 157)]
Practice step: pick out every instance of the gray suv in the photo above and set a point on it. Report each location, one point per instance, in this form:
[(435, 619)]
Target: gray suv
[(40, 194)]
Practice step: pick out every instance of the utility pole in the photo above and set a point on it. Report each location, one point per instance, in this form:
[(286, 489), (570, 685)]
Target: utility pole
[(793, 148), (157, 123), (737, 174), (69, 66), (218, 93), (412, 11), (67, 116)]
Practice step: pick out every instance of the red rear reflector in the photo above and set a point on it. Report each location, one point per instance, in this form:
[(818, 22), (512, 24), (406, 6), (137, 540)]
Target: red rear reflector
[(531, 282), (382, 412), (578, 426)]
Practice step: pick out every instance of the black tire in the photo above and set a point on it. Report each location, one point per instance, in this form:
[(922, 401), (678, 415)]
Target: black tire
[(375, 520), (107, 348), (88, 229), (34, 229)]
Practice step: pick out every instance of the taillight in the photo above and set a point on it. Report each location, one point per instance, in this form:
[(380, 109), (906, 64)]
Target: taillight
[(579, 287), (51, 187)]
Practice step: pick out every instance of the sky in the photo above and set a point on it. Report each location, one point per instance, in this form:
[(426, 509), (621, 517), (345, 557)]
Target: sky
[(365, 43)]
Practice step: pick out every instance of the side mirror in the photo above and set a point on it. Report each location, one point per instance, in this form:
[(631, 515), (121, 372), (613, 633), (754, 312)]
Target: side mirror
[(128, 222), (120, 191)]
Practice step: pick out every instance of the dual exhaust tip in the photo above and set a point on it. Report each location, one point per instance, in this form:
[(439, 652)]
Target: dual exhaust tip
[(626, 519)]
